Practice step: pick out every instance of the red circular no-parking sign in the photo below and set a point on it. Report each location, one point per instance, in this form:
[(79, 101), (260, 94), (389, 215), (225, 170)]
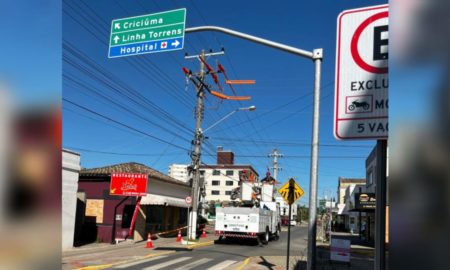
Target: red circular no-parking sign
[(355, 40), (188, 200)]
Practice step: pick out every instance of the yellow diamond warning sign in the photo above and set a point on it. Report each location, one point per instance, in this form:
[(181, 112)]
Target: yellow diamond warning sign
[(291, 191)]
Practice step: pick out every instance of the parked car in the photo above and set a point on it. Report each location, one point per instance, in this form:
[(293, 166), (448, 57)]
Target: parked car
[(293, 223)]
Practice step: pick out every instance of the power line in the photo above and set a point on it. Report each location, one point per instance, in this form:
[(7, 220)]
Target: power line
[(116, 153), (124, 125), (286, 143)]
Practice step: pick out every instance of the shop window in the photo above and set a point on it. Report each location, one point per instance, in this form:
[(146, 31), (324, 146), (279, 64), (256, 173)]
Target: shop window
[(215, 192), (215, 182), (229, 183)]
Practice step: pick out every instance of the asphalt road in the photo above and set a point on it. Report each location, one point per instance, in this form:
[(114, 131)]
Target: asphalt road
[(220, 256)]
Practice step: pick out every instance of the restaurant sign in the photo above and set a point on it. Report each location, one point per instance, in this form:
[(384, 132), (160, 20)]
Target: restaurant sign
[(364, 201), (128, 184)]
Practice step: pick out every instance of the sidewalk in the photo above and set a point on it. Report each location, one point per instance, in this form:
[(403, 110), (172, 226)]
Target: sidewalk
[(101, 255), (361, 258)]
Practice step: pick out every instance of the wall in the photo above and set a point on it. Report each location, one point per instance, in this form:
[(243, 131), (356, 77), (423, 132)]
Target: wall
[(99, 190), (71, 168)]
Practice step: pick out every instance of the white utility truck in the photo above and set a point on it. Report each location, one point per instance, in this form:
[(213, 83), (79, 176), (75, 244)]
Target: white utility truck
[(250, 217)]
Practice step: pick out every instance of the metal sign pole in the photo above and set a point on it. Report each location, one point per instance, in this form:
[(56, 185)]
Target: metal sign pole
[(288, 238), (312, 229), (380, 210), (188, 223)]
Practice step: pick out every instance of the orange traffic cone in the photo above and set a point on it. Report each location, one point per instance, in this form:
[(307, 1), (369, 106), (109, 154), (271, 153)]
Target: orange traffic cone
[(149, 241), (203, 233), (179, 236)]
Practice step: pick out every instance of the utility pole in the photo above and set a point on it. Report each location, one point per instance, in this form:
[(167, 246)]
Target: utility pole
[(197, 142), (275, 167)]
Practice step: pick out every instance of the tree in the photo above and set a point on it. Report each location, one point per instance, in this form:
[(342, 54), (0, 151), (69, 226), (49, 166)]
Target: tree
[(302, 213)]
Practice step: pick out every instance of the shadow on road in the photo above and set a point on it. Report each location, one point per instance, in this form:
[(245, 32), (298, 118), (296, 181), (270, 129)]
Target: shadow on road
[(266, 263), (236, 241)]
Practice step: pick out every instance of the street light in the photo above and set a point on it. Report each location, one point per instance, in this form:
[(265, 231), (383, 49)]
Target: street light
[(251, 108)]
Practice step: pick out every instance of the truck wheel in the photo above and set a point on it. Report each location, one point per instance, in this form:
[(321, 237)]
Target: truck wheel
[(277, 233), (266, 237)]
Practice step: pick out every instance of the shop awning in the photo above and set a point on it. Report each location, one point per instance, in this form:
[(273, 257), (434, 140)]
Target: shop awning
[(152, 199)]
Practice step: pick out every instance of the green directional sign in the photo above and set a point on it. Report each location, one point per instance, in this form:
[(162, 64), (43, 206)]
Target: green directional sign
[(149, 33)]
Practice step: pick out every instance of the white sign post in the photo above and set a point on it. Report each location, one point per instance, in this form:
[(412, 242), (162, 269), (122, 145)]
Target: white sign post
[(361, 98), (340, 250)]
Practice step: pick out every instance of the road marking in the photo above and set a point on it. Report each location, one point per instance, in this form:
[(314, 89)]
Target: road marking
[(165, 264), (244, 264), (221, 265), (139, 262), (193, 264), (201, 244), (95, 267), (103, 266)]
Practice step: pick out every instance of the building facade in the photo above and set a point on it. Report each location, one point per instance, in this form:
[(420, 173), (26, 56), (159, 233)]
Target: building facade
[(179, 172), (107, 218), (371, 168), (347, 220), (70, 171), (220, 179), (284, 210)]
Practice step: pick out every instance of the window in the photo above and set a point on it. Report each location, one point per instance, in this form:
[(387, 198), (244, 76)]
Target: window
[(229, 183), (370, 178), (215, 192), (228, 192), (229, 172), (202, 172), (215, 182), (216, 172)]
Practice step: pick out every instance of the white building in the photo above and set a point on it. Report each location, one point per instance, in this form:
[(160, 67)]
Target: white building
[(220, 179), (70, 171), (284, 208), (179, 172), (347, 220)]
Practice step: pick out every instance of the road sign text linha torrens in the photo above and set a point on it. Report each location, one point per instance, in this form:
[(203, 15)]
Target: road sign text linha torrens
[(150, 33)]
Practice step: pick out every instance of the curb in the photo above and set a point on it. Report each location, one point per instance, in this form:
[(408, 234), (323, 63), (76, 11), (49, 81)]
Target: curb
[(201, 244), (104, 266)]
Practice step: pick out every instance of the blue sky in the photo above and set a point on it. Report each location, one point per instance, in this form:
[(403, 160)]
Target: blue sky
[(31, 51), (163, 103)]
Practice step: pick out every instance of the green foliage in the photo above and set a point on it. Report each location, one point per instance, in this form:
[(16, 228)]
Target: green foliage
[(302, 213)]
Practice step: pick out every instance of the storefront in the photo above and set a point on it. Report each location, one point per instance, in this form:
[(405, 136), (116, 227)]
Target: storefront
[(365, 204), (103, 217)]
